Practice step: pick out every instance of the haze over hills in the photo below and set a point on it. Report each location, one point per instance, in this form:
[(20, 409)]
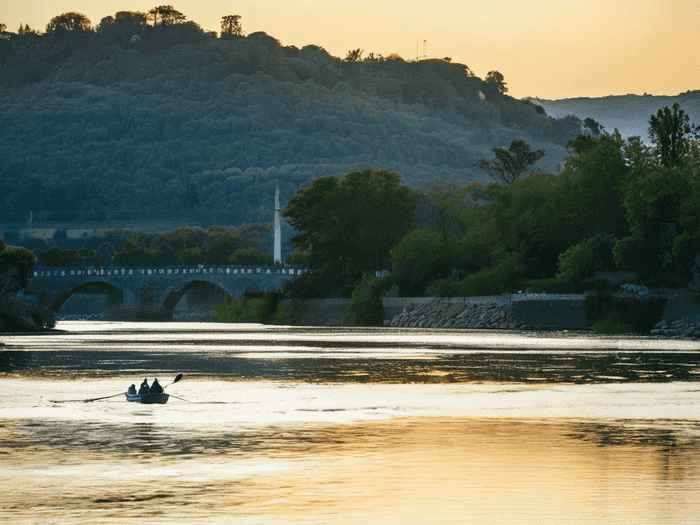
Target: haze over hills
[(628, 113)]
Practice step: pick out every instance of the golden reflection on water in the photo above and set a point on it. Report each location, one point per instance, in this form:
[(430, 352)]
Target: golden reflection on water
[(406, 470)]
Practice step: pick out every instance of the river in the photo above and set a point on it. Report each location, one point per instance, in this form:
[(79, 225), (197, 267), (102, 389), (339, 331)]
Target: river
[(296, 425)]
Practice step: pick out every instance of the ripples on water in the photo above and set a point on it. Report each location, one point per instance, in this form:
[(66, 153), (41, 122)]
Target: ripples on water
[(344, 426)]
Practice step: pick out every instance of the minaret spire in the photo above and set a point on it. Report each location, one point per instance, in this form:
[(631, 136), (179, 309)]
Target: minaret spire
[(277, 254)]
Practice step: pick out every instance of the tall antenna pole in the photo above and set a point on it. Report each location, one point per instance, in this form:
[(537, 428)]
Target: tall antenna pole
[(277, 258)]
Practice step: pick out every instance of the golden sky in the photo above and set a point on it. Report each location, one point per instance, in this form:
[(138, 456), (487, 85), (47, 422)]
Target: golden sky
[(544, 48)]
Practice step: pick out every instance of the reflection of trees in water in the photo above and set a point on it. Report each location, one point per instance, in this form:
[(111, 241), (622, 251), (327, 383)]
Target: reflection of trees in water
[(674, 450), (150, 438), (11, 361)]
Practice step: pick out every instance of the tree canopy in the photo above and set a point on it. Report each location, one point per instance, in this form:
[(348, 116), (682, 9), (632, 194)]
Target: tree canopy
[(349, 226), (68, 22), (231, 25), (166, 15), (16, 265), (496, 80), (509, 165), (668, 130)]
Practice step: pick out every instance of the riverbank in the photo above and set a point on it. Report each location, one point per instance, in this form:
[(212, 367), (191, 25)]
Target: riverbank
[(680, 319)]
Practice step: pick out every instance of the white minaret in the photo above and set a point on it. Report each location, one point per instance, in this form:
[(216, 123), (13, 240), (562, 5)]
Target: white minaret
[(277, 255)]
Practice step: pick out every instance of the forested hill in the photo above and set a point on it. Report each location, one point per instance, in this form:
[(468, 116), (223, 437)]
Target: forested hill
[(187, 121), (628, 113)]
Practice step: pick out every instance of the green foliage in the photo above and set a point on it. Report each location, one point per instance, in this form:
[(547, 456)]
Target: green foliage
[(527, 217), (190, 256), (132, 254), (298, 258), (258, 309), (555, 285), (610, 326), (55, 257), (220, 245), (366, 307), (667, 130), (251, 257), (587, 257), (509, 165), (506, 276), (16, 266), (653, 199), (607, 312), (417, 259), (594, 183), (441, 206), (348, 227), (16, 315)]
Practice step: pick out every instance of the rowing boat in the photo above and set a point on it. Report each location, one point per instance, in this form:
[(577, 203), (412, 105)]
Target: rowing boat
[(148, 399)]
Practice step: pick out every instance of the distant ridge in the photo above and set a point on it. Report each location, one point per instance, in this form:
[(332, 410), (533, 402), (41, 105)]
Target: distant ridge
[(628, 113)]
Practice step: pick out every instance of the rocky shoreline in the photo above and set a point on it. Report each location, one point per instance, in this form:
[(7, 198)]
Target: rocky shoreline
[(445, 314), (442, 313), (687, 327)]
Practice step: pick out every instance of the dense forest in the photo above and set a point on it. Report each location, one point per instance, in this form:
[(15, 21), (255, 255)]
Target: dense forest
[(150, 112)]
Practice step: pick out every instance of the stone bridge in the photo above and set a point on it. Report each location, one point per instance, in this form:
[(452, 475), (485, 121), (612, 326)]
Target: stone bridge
[(153, 292)]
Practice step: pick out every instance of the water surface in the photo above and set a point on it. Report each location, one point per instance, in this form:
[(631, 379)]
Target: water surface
[(299, 425)]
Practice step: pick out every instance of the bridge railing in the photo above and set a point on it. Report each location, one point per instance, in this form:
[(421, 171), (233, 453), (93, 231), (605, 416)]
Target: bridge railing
[(168, 270)]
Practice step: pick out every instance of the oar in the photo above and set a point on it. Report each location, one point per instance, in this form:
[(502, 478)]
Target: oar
[(106, 397), (177, 378), (185, 400)]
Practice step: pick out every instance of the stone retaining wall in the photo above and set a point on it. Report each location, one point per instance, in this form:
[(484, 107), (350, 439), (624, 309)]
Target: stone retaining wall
[(557, 313)]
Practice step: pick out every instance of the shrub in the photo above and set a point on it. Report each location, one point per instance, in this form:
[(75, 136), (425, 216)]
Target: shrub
[(503, 277), (190, 256), (585, 258), (639, 315), (251, 257), (366, 307), (260, 309)]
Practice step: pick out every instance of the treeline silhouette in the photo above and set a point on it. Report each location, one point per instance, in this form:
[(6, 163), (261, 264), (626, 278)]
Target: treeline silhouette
[(141, 113)]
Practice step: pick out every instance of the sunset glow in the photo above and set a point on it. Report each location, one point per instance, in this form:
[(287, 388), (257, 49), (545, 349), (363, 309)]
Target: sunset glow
[(546, 49)]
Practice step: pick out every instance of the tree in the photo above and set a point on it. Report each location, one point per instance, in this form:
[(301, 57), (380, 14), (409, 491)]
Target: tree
[(594, 182), (591, 124), (667, 130), (231, 25), (251, 257), (496, 80), (441, 206), (16, 266), (26, 30), (3, 27), (168, 15), (349, 226), (68, 23), (354, 55), (509, 165), (419, 258)]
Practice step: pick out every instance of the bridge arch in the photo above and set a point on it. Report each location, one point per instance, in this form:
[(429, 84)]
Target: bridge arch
[(174, 294), (96, 287)]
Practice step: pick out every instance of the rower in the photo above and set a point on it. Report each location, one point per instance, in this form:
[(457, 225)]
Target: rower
[(132, 390), (144, 387), (156, 388)]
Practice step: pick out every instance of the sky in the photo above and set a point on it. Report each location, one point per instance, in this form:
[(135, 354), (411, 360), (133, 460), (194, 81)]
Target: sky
[(544, 48)]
